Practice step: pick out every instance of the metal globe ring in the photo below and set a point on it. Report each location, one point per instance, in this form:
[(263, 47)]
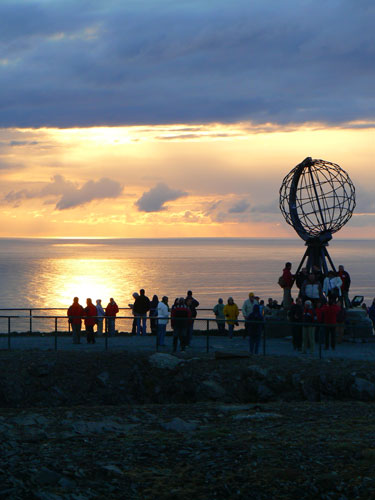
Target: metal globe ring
[(317, 198)]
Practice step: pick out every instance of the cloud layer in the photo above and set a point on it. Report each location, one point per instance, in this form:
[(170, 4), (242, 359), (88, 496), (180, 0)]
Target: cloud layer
[(134, 62), (154, 199), (69, 194)]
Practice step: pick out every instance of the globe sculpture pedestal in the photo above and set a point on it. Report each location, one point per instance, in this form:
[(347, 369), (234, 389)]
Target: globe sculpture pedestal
[(317, 198), (316, 256)]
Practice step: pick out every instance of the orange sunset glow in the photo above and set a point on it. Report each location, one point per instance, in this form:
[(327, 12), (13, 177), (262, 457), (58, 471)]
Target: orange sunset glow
[(195, 180)]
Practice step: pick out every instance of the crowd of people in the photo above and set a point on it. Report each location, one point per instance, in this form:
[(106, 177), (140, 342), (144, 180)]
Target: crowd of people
[(182, 315), (322, 300), (92, 315), (317, 313)]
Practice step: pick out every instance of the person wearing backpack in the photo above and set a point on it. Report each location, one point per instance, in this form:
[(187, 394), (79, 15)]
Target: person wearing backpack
[(332, 286)]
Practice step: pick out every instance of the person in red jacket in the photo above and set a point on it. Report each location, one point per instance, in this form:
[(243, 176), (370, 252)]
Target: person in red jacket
[(330, 312), (288, 279), (345, 278), (319, 319), (90, 321), (180, 319), (75, 314), (110, 311)]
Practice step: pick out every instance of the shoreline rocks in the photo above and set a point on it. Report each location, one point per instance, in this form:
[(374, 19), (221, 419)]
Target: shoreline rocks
[(38, 379)]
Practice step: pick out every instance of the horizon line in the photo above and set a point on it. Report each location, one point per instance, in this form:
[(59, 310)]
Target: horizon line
[(104, 238)]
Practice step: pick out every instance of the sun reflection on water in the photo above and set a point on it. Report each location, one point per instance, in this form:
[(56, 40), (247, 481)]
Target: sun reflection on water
[(64, 279)]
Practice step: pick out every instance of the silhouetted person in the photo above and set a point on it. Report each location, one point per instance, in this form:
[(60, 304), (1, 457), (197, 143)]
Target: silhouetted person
[(330, 312), (75, 314), (247, 309), (219, 314), (308, 329), (255, 329), (311, 289), (332, 286), (319, 276), (90, 321), (141, 308), (345, 278), (192, 304), (153, 314), (181, 317), (288, 283), (231, 313), (100, 317), (162, 320), (134, 324), (301, 277), (110, 311), (295, 317)]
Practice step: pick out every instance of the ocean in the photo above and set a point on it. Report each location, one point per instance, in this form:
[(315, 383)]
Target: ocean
[(50, 272)]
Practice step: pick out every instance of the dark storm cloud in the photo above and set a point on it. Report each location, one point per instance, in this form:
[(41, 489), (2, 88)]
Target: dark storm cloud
[(154, 199), (69, 194), (160, 61)]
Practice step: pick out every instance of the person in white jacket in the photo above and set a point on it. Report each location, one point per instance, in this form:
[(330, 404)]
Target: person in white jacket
[(163, 315), (100, 313), (248, 305), (332, 285)]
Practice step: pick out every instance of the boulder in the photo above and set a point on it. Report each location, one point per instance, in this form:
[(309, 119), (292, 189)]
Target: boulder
[(264, 393), (165, 361), (256, 416), (211, 389), (46, 477), (86, 427), (363, 389), (103, 377), (257, 371), (40, 369), (179, 425)]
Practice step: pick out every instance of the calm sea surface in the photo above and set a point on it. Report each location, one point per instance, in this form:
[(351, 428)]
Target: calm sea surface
[(48, 273)]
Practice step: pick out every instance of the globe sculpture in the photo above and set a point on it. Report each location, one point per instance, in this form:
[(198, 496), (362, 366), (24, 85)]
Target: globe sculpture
[(317, 198)]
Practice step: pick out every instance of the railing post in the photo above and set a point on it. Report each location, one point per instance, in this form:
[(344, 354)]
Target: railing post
[(106, 335), (264, 338), (31, 321), (208, 337), (157, 339), (9, 333), (248, 331), (56, 333), (320, 341)]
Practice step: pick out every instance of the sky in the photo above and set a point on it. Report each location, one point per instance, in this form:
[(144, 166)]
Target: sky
[(179, 119)]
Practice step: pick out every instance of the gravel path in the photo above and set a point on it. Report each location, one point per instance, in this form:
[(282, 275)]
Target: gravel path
[(282, 347)]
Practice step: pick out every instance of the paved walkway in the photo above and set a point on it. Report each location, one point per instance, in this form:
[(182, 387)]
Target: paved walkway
[(278, 347)]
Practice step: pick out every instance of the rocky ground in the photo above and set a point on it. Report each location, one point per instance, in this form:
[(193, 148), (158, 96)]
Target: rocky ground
[(80, 426)]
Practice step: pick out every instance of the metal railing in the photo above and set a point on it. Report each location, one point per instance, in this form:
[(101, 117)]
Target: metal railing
[(207, 330), (32, 316)]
